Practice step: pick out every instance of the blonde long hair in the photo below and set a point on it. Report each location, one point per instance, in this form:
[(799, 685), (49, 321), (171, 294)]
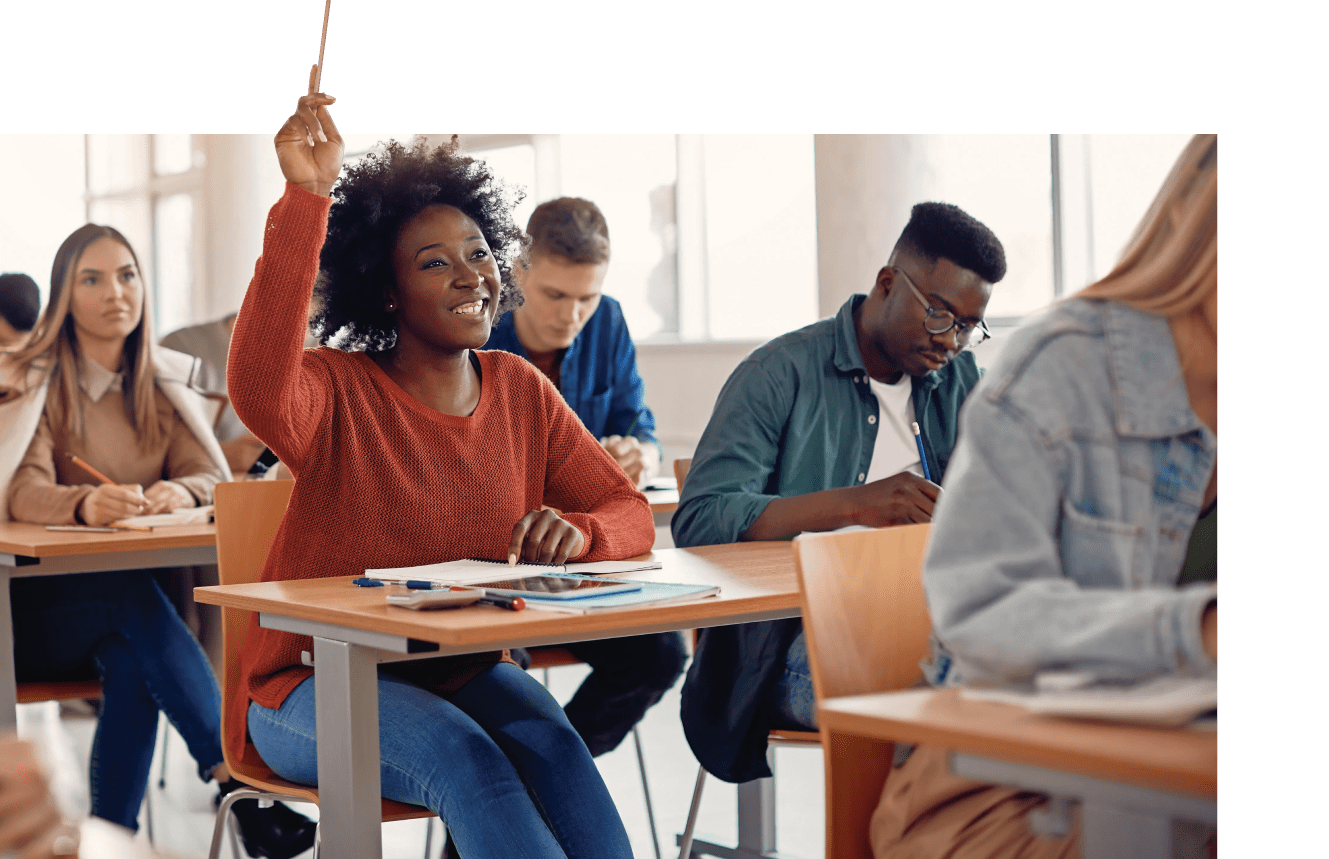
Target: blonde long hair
[(53, 347), (1170, 265)]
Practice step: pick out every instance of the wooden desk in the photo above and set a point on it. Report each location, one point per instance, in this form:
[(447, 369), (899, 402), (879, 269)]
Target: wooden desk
[(1130, 780), (354, 629), (662, 500), (31, 550)]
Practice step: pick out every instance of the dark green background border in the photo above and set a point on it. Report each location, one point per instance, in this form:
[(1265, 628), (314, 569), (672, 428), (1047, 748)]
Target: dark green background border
[(743, 67)]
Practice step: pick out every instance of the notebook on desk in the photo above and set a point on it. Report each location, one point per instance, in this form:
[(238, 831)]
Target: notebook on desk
[(650, 593), (471, 571)]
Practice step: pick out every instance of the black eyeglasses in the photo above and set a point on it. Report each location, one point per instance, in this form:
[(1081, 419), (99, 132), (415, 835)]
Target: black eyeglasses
[(939, 320)]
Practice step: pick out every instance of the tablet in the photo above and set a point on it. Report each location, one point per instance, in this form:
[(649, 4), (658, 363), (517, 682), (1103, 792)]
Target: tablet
[(557, 587)]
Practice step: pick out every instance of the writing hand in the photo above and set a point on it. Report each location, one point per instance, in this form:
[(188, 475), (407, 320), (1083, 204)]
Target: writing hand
[(108, 503), (896, 500), (309, 147), (542, 536), (165, 495), (630, 454)]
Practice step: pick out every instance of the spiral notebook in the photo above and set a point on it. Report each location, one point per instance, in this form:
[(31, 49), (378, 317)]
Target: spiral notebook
[(471, 571)]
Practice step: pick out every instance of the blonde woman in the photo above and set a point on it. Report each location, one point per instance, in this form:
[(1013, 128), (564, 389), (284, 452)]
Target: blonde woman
[(1078, 526), (90, 384)]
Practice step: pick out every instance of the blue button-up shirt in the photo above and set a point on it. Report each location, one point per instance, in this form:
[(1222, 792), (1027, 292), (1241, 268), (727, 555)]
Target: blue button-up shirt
[(1069, 504), (598, 376)]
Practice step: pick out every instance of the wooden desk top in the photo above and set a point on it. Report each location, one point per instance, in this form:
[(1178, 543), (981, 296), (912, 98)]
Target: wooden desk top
[(662, 500), (1177, 759), (754, 578), (34, 541)]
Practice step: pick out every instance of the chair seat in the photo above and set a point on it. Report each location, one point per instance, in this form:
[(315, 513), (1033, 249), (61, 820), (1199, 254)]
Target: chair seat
[(260, 777), (60, 690)]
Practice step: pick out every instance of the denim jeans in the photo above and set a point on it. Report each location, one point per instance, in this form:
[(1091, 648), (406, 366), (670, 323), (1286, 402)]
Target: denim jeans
[(119, 627), (793, 702), (497, 761)]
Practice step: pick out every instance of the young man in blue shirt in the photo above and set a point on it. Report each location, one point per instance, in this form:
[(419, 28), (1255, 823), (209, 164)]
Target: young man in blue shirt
[(578, 338), (812, 432)]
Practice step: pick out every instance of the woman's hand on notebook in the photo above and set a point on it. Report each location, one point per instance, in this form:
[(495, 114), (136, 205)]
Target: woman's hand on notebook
[(542, 536), (165, 495)]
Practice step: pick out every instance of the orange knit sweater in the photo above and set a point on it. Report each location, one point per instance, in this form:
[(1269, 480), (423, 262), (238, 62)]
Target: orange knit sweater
[(381, 479)]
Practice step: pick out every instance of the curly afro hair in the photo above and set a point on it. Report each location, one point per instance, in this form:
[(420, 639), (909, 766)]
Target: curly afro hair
[(371, 203), (941, 230)]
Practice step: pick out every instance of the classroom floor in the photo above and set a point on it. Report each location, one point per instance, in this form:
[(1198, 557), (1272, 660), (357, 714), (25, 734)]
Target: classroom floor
[(183, 817)]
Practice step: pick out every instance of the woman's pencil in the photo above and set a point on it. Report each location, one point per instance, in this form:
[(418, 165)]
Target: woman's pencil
[(318, 73), (90, 470)]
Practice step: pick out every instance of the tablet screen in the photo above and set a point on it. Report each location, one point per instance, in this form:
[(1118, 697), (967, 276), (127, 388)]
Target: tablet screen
[(557, 587)]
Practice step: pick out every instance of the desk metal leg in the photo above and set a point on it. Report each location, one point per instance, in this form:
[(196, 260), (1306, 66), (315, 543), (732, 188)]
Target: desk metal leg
[(8, 687), (349, 785)]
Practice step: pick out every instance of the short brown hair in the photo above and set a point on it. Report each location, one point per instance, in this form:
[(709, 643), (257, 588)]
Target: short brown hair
[(570, 227)]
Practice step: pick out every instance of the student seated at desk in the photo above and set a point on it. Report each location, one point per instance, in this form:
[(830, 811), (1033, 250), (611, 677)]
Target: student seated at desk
[(1079, 523), (578, 338), (812, 433), (93, 386), (410, 447)]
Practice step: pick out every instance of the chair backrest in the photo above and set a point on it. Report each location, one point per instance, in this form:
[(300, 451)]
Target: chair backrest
[(681, 467), (248, 514), (864, 611), (867, 628)]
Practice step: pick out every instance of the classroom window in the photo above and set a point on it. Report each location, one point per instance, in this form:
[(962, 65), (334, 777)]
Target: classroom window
[(148, 186), (695, 224)]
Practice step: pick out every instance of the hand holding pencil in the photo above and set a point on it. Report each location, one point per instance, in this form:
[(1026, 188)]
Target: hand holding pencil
[(109, 501)]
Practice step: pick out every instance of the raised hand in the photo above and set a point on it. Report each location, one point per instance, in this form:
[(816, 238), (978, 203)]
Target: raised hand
[(309, 147), (542, 536)]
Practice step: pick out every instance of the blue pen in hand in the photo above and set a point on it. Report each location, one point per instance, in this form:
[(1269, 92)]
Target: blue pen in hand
[(922, 456)]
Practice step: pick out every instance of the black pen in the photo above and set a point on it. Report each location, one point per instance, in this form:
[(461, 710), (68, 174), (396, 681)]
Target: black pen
[(503, 601)]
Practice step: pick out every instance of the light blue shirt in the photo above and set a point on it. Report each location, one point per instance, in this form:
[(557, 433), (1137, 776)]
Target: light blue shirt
[(1079, 474)]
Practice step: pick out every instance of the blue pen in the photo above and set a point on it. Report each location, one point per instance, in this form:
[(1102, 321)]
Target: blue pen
[(922, 456), (366, 582)]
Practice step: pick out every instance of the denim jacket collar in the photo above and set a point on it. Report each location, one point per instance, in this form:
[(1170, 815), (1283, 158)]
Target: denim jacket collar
[(1148, 391), (848, 359)]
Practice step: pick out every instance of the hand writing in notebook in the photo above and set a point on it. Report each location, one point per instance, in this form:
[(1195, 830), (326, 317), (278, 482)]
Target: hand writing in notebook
[(545, 537)]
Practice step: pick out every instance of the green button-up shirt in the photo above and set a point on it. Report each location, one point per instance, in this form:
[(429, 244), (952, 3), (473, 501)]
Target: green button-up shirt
[(799, 416)]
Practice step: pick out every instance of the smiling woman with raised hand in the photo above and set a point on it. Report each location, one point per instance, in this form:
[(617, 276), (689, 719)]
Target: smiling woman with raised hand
[(409, 446)]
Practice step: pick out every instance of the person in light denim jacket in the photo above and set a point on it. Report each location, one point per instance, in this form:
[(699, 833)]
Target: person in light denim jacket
[(1067, 536)]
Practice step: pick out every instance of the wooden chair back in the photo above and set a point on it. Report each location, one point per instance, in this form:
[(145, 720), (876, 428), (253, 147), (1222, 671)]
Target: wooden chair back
[(867, 626), (248, 514), (681, 467)]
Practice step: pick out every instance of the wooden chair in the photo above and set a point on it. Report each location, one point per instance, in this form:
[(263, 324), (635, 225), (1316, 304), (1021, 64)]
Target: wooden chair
[(248, 514), (867, 626), (756, 799)]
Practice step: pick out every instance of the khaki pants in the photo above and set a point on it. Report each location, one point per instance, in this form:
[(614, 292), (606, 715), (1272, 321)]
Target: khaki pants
[(928, 813)]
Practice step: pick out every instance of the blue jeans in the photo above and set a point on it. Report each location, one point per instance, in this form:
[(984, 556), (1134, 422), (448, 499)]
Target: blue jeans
[(793, 701), (119, 627), (497, 761)]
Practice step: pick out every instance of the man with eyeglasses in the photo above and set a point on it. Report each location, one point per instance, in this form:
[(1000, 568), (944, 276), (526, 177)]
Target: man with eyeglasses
[(813, 432)]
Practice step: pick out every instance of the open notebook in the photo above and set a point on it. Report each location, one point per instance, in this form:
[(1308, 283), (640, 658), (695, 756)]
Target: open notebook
[(178, 516), (472, 571)]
